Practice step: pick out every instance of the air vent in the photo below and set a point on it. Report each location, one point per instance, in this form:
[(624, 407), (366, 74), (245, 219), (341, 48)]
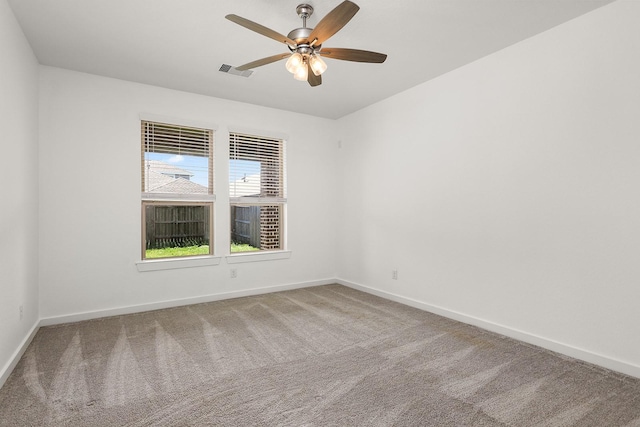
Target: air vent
[(229, 69)]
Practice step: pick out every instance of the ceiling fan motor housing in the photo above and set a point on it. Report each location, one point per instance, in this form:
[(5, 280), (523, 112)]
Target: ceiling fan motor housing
[(301, 37)]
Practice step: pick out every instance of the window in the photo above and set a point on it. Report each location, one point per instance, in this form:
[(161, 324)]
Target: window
[(257, 192), (177, 191)]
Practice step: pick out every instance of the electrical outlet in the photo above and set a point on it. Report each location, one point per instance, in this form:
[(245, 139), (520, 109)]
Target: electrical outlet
[(21, 312), (394, 274), (234, 273)]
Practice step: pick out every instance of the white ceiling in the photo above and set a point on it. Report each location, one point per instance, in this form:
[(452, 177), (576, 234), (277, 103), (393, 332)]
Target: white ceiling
[(181, 44)]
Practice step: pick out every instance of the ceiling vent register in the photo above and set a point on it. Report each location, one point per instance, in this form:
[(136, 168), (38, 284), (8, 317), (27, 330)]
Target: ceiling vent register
[(230, 69)]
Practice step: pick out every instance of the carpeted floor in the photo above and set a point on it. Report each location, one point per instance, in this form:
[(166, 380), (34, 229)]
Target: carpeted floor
[(323, 356)]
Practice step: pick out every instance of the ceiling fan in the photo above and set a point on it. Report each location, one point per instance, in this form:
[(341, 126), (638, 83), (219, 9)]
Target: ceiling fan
[(305, 44)]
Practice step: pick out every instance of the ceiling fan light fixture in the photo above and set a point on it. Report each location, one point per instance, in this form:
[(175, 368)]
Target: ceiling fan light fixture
[(294, 62), (302, 72), (318, 66)]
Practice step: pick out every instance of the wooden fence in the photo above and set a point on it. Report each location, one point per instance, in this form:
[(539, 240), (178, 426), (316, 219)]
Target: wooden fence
[(177, 226), (245, 225)]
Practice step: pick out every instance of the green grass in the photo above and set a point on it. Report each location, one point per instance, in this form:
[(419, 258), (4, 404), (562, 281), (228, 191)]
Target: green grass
[(242, 247), (194, 250), (174, 252)]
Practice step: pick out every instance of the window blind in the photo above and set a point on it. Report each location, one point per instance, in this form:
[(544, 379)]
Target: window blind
[(256, 168), (171, 139), (176, 159)]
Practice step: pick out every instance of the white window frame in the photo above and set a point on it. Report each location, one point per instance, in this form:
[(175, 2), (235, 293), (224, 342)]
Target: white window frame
[(279, 198), (178, 199)]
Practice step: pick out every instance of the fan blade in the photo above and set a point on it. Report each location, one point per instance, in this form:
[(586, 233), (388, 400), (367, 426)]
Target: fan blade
[(355, 55), (263, 61), (260, 29), (312, 78), (333, 22)]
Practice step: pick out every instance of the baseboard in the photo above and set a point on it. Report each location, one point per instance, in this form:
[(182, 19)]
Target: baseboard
[(15, 357), (88, 315), (558, 347)]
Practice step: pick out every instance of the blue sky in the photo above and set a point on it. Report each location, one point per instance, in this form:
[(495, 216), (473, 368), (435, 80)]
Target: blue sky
[(198, 166)]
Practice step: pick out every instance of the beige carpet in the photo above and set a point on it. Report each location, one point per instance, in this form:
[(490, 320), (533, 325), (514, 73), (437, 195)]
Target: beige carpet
[(323, 356)]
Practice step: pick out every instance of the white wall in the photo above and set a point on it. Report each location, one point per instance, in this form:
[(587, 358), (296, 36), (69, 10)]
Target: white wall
[(19, 189), (507, 191), (90, 195)]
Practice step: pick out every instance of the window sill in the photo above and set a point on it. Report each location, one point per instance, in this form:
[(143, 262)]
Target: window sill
[(254, 257), (171, 263)]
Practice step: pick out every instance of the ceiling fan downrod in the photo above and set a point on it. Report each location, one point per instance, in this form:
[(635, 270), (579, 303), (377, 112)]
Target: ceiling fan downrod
[(304, 11), (301, 35)]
